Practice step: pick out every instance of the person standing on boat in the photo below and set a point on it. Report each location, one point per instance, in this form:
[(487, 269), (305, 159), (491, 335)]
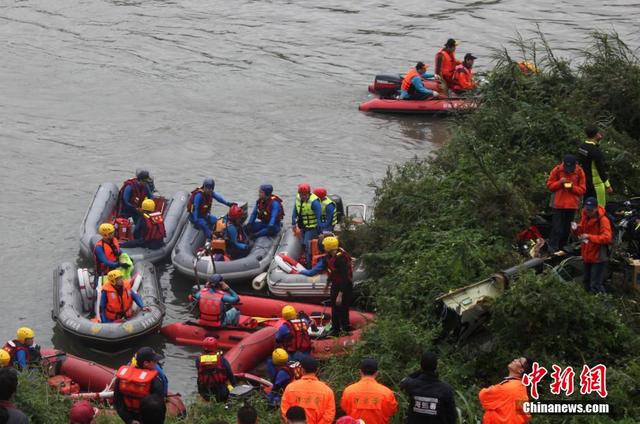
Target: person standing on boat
[(132, 194), (293, 335), (215, 377), (306, 218), (214, 302), (22, 350), (199, 207), (412, 87), (135, 382), (237, 241), (338, 265), (106, 251), (150, 232), (329, 212), (267, 214), (502, 402), (446, 62), (117, 299), (592, 161), (463, 76)]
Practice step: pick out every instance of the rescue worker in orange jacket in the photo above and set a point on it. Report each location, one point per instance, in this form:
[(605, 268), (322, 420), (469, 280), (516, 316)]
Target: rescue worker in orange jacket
[(150, 231), (215, 377), (446, 61), (293, 335), (594, 231), (134, 383), (116, 301), (338, 264), (267, 214), (567, 184), (106, 251), (214, 302), (412, 87), (463, 75), (502, 403), (315, 397), (367, 399)]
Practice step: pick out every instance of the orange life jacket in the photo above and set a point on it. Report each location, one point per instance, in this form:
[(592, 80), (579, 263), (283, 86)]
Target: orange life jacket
[(447, 65), (463, 78), (134, 384), (264, 209), (299, 340), (118, 303), (211, 371), (406, 81), (210, 305), (333, 276), (205, 202), (138, 194), (154, 225), (111, 251)]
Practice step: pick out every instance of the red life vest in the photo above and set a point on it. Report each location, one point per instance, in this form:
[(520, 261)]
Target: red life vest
[(211, 371), (134, 384), (448, 65), (210, 305), (138, 194), (12, 347), (111, 251), (406, 81), (154, 225), (293, 369), (463, 78), (264, 209), (332, 274), (299, 340), (205, 202), (118, 303)]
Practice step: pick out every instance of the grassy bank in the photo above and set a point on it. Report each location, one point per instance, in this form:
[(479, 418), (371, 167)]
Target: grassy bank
[(446, 222)]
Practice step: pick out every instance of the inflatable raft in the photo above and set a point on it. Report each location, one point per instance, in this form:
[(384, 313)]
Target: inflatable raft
[(258, 325), (187, 257), (82, 379), (284, 281), (74, 303), (429, 106), (102, 209)]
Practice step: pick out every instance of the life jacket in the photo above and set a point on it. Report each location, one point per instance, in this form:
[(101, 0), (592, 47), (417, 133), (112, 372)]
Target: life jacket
[(205, 202), (448, 65), (316, 253), (154, 225), (241, 236), (299, 340), (12, 347), (210, 305), (211, 371), (118, 304), (134, 384), (138, 194), (111, 251), (406, 81), (462, 78), (294, 369), (264, 209), (332, 275), (305, 215), (323, 216)]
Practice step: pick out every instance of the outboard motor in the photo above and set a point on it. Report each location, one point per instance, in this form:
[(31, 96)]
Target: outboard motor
[(339, 206), (386, 85)]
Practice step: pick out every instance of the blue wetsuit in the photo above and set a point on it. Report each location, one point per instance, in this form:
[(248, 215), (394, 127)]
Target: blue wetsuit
[(320, 266), (231, 298), (259, 228), (280, 379), (208, 222), (329, 211), (99, 251), (128, 209)]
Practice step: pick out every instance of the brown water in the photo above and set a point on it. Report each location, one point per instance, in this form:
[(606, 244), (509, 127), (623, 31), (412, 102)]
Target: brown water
[(245, 91)]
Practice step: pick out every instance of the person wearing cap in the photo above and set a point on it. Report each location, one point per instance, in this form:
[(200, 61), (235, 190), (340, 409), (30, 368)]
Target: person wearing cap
[(339, 267), (431, 401), (502, 402), (215, 302), (446, 61), (314, 396), (132, 194), (134, 382), (199, 207), (367, 399), (592, 161), (463, 75), (412, 87), (306, 218), (295, 415), (594, 231), (82, 412), (267, 214), (8, 389), (567, 185)]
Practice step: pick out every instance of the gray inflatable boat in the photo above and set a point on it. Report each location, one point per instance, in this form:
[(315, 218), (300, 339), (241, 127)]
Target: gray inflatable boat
[(186, 259), (75, 300), (281, 282), (101, 210)]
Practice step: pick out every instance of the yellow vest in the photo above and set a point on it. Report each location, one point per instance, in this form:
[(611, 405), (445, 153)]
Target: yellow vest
[(327, 201), (306, 216)]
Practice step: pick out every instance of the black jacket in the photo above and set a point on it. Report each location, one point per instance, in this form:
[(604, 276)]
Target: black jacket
[(590, 155), (157, 388), (431, 401)]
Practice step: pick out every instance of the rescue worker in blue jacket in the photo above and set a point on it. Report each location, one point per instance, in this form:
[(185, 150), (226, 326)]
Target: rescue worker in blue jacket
[(216, 310), (412, 87), (236, 239), (150, 231), (21, 350), (329, 215), (306, 218), (281, 372), (267, 214), (132, 194), (199, 207)]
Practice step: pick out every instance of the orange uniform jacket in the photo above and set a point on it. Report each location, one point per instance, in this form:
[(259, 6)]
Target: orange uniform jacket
[(599, 231), (566, 198), (315, 397), (463, 79), (369, 401), (502, 403)]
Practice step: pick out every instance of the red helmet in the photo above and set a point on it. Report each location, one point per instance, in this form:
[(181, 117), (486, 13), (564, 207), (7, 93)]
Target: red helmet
[(321, 192), (235, 212), (210, 344), (304, 188)]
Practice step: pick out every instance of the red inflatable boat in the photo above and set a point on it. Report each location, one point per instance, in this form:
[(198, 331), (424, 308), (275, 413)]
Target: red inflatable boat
[(429, 106), (261, 317)]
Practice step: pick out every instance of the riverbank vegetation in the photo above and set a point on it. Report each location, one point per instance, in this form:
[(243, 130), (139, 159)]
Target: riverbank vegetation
[(445, 222)]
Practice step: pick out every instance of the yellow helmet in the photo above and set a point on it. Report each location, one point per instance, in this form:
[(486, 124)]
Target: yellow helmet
[(114, 275), (279, 357), (330, 243), (24, 333), (148, 205), (5, 358), (106, 229), (289, 312)]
